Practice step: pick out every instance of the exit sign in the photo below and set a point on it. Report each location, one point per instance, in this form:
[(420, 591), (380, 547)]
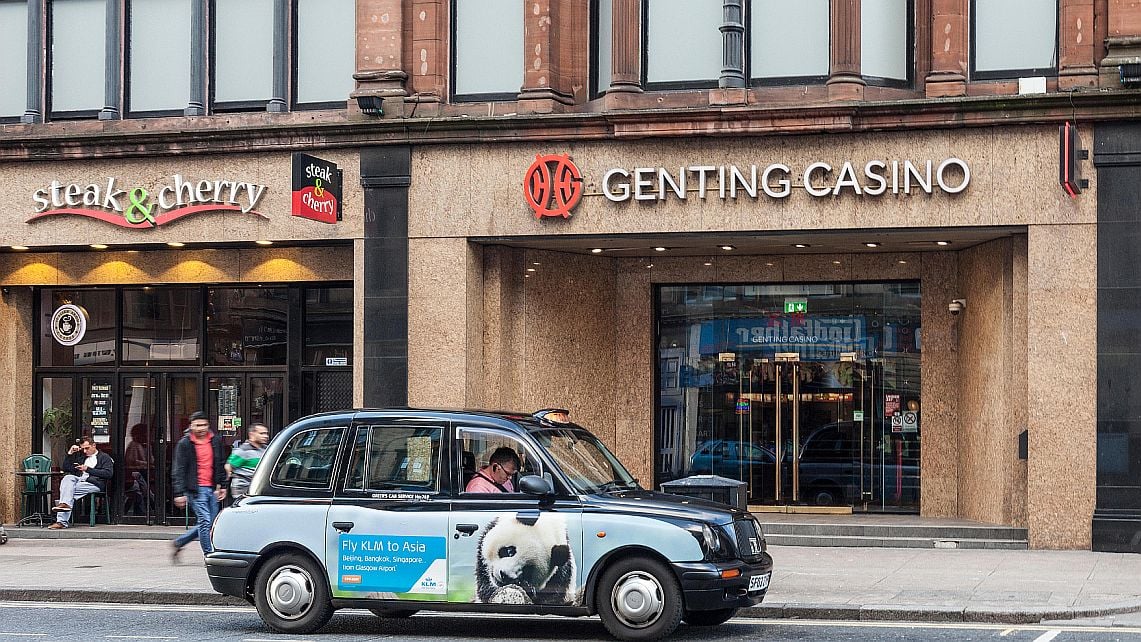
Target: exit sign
[(795, 306)]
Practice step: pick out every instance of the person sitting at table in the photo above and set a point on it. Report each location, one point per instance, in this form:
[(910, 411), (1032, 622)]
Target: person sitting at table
[(86, 471)]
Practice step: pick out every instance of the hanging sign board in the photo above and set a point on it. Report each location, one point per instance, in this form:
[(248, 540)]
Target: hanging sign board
[(316, 189)]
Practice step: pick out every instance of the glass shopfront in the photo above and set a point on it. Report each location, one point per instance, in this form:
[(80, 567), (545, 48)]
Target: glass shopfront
[(809, 393), (147, 357)]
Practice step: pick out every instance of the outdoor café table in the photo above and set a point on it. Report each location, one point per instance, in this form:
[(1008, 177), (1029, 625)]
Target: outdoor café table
[(38, 516)]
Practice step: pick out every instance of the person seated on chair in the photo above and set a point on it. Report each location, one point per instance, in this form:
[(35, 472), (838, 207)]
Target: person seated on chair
[(86, 471), (496, 476)]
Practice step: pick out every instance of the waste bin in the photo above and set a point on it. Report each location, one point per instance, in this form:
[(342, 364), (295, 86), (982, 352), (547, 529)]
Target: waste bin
[(711, 487)]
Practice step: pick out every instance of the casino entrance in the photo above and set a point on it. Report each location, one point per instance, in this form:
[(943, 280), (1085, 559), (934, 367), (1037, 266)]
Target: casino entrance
[(807, 393)]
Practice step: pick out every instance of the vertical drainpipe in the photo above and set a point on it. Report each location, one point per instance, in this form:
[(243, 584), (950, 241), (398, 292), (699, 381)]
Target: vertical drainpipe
[(277, 102), (34, 113), (198, 54), (733, 43), (112, 100)]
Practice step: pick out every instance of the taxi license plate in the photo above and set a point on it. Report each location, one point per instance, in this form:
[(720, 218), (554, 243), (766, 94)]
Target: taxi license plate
[(758, 582)]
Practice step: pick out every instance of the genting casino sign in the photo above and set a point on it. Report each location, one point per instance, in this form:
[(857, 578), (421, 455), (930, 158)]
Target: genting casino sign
[(554, 184)]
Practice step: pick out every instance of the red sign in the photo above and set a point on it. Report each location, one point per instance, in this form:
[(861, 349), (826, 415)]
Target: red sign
[(316, 189), (552, 185)]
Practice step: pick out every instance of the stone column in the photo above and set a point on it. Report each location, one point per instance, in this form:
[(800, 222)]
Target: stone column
[(625, 52), (16, 392), (34, 113), (949, 24), (844, 81), (380, 62), (429, 61), (1122, 42), (1077, 65), (545, 86), (112, 94)]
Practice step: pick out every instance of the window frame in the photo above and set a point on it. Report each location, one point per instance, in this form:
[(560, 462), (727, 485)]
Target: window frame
[(443, 476), (455, 97), (128, 54), (595, 39), (458, 462), (232, 106), (15, 118), (1012, 74), (667, 85), (909, 80), (294, 56), (780, 81), (47, 79), (335, 465)]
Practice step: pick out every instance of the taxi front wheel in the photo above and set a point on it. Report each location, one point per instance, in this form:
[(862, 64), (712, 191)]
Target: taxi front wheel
[(639, 599), (291, 595)]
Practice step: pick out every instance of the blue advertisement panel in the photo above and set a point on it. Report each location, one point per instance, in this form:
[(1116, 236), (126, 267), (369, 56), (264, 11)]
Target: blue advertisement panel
[(393, 564), (816, 338)]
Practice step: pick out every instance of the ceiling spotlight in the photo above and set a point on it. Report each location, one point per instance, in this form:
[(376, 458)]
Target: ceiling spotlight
[(901, 262), (801, 245), (728, 248), (19, 248), (649, 265), (942, 242), (769, 264), (264, 242), (175, 244), (530, 269), (708, 263), (835, 263), (659, 249), (871, 244), (596, 250), (535, 263), (98, 246)]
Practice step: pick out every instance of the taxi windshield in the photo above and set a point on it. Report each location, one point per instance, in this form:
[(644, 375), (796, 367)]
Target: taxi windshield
[(588, 464)]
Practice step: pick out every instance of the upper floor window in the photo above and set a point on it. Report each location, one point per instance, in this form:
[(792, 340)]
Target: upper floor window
[(682, 43), (77, 60), (243, 53), (487, 49), (14, 53), (602, 45), (326, 54), (789, 41), (885, 40), (1013, 38), (158, 56)]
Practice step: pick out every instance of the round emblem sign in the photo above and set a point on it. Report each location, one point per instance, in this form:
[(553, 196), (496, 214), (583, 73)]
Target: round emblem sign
[(553, 185), (69, 324)]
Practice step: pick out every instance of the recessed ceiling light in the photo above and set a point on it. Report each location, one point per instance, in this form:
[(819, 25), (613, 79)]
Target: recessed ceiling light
[(98, 246), (801, 245), (835, 263), (659, 249), (175, 244), (708, 263), (769, 264), (535, 263), (527, 275), (596, 250), (942, 242), (264, 242), (873, 244), (728, 248), (649, 265), (132, 251), (19, 248), (530, 269), (901, 262)]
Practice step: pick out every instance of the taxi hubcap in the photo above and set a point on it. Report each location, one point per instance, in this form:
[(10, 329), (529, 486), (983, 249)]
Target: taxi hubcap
[(290, 592), (637, 599)]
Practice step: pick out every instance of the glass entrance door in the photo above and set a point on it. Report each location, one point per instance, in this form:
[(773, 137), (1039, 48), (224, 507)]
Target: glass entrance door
[(234, 401)]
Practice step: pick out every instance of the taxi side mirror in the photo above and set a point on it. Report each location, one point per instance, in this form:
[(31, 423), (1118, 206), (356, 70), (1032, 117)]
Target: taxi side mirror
[(535, 485)]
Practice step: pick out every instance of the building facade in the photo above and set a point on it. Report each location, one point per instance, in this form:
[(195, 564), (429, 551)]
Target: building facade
[(819, 247)]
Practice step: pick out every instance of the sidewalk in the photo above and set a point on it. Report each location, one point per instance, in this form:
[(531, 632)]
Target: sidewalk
[(956, 585)]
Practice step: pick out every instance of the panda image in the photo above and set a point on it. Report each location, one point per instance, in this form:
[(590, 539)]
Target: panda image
[(526, 560)]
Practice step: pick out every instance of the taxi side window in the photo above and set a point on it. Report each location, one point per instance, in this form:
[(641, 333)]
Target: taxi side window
[(477, 445), (385, 458), (307, 460)]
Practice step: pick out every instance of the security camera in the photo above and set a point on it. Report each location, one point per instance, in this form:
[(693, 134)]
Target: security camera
[(956, 306)]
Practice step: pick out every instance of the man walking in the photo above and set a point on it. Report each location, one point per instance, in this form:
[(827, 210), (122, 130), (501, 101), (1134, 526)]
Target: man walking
[(88, 471), (244, 460), (198, 476)]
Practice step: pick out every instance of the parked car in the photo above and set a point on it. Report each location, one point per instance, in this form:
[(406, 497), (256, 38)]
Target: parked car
[(368, 509)]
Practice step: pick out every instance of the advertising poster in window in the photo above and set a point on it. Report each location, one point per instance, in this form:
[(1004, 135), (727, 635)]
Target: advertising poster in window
[(99, 396)]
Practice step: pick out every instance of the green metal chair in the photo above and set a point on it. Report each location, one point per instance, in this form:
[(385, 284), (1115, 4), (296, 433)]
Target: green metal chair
[(37, 492), (93, 505)]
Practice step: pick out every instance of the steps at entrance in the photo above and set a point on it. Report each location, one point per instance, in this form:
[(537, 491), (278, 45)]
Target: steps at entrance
[(840, 532)]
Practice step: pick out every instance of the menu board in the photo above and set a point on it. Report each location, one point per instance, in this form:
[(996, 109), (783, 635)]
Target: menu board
[(99, 398)]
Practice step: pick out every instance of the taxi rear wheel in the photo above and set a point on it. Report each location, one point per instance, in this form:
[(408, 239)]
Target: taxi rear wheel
[(639, 599), (291, 595), (394, 614), (709, 618)]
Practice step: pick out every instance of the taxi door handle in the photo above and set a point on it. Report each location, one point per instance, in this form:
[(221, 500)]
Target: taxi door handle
[(467, 529), (344, 527)]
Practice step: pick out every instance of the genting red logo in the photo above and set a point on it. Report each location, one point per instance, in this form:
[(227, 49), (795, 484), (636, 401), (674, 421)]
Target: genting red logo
[(553, 185)]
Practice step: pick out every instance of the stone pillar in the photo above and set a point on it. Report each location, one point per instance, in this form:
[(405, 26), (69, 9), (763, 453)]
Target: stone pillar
[(625, 53), (34, 113), (112, 94), (429, 57), (949, 24), (16, 341), (380, 63), (1077, 65), (845, 81), (1122, 42), (545, 86)]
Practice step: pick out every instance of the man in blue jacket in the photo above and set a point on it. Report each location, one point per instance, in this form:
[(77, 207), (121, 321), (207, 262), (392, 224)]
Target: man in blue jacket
[(198, 476), (86, 471)]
